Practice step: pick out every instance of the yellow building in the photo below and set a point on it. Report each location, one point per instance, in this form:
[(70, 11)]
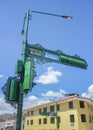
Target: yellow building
[(70, 113)]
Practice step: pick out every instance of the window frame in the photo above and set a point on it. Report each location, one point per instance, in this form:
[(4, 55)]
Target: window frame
[(52, 109), (45, 109), (32, 113), (40, 121), (58, 107), (27, 122), (81, 103), (52, 120), (31, 122), (44, 120), (83, 118), (70, 105), (40, 110), (72, 118), (59, 119)]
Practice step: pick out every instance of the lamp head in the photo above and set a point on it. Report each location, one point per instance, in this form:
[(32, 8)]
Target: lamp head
[(67, 17), (22, 33)]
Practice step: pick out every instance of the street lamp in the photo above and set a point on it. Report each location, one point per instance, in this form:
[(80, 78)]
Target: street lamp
[(24, 55), (28, 16), (61, 16), (26, 23)]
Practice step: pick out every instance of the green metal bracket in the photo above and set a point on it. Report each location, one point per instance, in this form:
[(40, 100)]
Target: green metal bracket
[(46, 55)]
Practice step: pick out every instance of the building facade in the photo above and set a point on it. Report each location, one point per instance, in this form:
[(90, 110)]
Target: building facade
[(70, 113)]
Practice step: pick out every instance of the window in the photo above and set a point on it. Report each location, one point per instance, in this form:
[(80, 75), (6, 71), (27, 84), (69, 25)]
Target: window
[(90, 120), (39, 121), (58, 107), (45, 109), (52, 120), (31, 122), (70, 105), (91, 108), (51, 108), (88, 106), (39, 111), (58, 119), (72, 119), (45, 121), (27, 122), (32, 113), (27, 113), (81, 104), (83, 118)]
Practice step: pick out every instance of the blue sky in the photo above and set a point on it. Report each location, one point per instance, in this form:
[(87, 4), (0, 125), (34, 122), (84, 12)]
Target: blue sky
[(70, 36)]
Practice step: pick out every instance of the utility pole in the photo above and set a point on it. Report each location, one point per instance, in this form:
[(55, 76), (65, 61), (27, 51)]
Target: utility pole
[(23, 57)]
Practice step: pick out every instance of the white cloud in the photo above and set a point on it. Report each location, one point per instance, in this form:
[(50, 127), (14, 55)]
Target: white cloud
[(27, 103), (5, 107), (48, 94), (90, 89), (1, 76), (89, 93), (32, 101), (85, 95), (50, 77), (58, 94), (32, 98)]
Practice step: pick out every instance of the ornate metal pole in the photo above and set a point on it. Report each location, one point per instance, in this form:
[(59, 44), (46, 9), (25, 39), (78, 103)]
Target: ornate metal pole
[(23, 57)]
